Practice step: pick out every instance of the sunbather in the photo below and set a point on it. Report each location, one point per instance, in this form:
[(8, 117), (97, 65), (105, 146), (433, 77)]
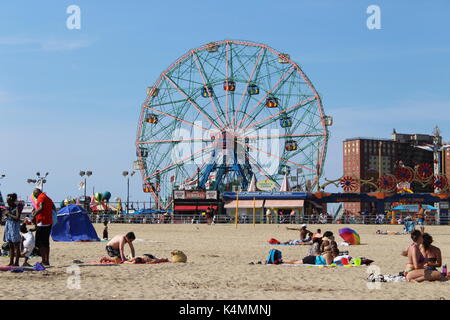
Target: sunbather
[(429, 258), (305, 234), (146, 258), (329, 248), (313, 252)]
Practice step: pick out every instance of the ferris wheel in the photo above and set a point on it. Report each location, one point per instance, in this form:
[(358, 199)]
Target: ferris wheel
[(226, 113)]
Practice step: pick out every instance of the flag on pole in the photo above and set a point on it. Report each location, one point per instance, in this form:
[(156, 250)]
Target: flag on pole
[(81, 185)]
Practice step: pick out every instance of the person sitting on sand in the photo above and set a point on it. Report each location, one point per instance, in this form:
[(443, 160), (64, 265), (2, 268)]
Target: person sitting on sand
[(318, 234), (313, 252), (432, 258), (416, 260), (329, 248), (115, 247), (305, 234)]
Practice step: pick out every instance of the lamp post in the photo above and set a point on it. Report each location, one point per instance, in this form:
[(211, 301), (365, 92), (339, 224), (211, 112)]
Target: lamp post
[(1, 198), (128, 175), (39, 181), (85, 174)]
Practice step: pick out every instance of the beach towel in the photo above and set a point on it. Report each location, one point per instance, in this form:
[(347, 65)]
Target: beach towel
[(37, 267), (108, 261), (275, 242), (324, 266)]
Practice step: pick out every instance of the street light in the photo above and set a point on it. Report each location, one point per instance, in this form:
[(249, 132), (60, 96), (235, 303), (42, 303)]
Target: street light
[(85, 174), (39, 181), (128, 175)]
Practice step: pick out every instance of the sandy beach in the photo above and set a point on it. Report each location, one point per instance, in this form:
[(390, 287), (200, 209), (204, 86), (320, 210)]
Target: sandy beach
[(218, 267)]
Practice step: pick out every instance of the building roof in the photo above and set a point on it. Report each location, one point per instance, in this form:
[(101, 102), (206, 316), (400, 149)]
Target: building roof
[(367, 138)]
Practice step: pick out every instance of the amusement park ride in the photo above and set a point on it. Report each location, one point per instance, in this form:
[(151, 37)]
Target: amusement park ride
[(224, 113), (231, 112)]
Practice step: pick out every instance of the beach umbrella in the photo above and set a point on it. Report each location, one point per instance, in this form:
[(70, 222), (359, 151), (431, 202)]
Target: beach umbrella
[(350, 236)]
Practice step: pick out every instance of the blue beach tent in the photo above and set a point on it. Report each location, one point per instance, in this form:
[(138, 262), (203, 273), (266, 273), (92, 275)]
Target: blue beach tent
[(73, 225)]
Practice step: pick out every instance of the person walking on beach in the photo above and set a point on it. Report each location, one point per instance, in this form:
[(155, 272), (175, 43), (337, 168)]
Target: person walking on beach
[(43, 219), (12, 229), (421, 218), (268, 216), (115, 247)]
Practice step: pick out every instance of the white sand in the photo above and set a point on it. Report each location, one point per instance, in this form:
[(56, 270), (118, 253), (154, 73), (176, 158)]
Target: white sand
[(218, 268)]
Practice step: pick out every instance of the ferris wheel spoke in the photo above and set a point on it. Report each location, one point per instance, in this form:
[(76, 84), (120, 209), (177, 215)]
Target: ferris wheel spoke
[(181, 161), (244, 93), (267, 94), (195, 105), (294, 107), (261, 170), (176, 141), (255, 78), (274, 156), (178, 119), (201, 71), (283, 136)]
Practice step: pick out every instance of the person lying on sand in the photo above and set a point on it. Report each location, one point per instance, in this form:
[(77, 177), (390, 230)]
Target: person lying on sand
[(382, 232), (305, 234), (146, 258), (329, 248), (115, 247)]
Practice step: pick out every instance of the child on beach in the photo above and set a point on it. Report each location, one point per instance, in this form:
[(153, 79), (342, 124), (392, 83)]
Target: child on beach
[(27, 244), (105, 230), (115, 247), (12, 229)]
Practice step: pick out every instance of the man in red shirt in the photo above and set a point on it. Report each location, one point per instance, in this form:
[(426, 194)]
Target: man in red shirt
[(42, 216)]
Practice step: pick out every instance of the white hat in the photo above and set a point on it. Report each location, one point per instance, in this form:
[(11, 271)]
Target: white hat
[(304, 225)]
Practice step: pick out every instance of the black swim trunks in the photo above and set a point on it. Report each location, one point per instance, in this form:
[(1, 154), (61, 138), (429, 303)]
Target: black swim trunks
[(42, 239), (112, 252), (309, 260)]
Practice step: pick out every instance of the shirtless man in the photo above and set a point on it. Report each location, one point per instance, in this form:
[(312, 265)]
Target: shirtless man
[(421, 218), (115, 247), (305, 234)]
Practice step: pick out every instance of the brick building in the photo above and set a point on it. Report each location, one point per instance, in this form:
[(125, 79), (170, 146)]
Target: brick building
[(361, 160)]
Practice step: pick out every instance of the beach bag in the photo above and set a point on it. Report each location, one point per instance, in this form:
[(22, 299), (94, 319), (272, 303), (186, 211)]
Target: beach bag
[(274, 257), (178, 256), (54, 217)]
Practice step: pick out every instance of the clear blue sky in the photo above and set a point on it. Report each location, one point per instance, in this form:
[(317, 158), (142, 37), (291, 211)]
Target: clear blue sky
[(70, 99)]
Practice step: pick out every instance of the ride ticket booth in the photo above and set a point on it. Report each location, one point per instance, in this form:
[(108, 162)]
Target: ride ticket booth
[(189, 205)]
